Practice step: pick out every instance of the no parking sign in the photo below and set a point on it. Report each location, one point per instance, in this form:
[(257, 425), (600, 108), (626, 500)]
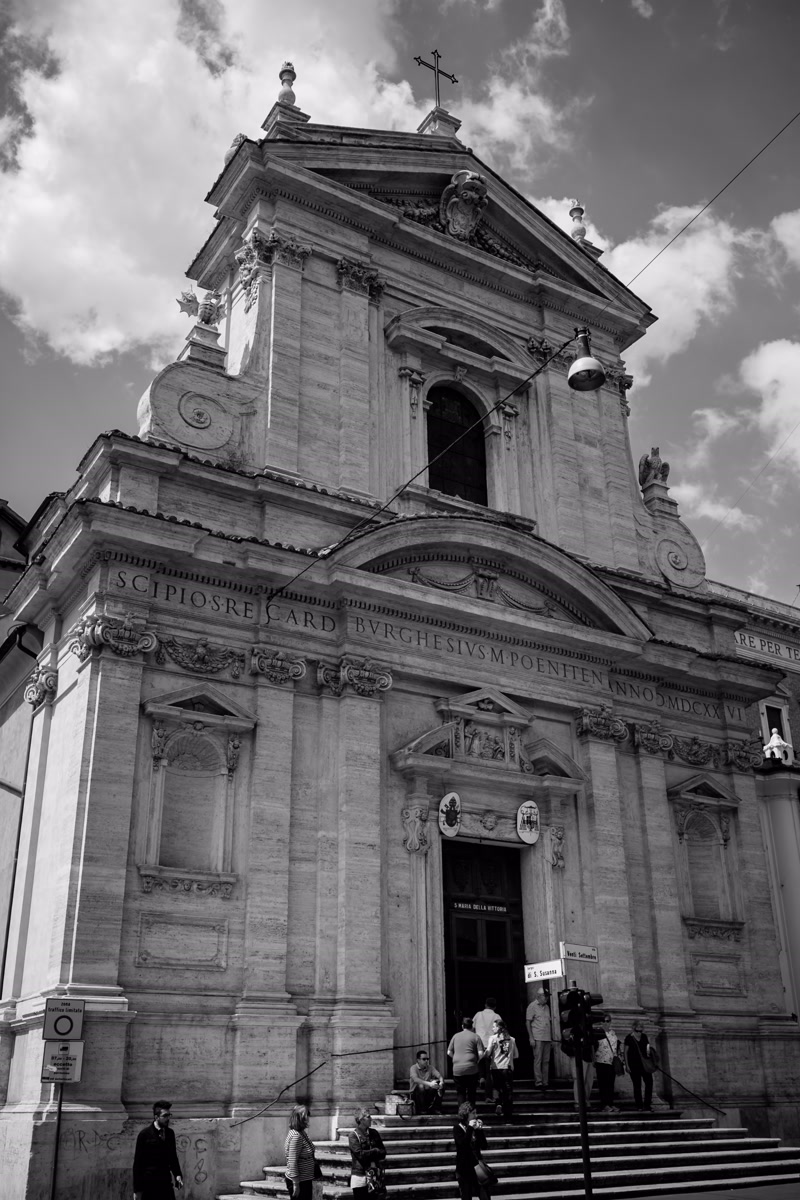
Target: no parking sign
[(63, 1020)]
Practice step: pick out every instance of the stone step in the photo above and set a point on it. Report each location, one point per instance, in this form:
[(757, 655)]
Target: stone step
[(555, 1122), (571, 1140), (338, 1157)]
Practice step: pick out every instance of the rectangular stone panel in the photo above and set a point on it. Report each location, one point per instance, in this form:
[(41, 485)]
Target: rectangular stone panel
[(718, 975), (191, 943)]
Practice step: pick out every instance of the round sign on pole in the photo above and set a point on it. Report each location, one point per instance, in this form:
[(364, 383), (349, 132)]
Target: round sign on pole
[(450, 814), (528, 822)]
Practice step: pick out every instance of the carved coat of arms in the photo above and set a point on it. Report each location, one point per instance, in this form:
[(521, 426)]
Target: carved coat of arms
[(450, 814), (462, 204)]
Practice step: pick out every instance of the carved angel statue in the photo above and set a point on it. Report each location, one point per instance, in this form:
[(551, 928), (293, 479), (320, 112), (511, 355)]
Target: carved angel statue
[(652, 469), (775, 746), (462, 204), (209, 311)]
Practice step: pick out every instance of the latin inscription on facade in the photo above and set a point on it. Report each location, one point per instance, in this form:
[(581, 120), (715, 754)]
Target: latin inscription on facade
[(755, 645)]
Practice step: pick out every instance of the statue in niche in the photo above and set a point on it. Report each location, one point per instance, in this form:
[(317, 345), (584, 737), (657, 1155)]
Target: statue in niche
[(652, 469)]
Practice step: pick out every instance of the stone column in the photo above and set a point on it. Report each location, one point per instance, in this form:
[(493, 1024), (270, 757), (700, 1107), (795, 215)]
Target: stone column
[(358, 283), (778, 790), (266, 1021), (361, 1018), (671, 983), (600, 734)]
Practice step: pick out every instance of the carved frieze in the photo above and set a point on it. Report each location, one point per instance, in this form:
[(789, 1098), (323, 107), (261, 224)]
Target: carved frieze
[(275, 665), (363, 676), (119, 634), (720, 931), (200, 657), (359, 277), (198, 884), (415, 821), (42, 686), (601, 723)]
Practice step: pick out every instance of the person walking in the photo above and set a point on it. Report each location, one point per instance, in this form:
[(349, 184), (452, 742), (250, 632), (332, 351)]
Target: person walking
[(470, 1143), (427, 1085), (155, 1160), (367, 1154), (483, 1024), (501, 1053), (301, 1163), (466, 1051), (642, 1060), (540, 1036), (607, 1050)]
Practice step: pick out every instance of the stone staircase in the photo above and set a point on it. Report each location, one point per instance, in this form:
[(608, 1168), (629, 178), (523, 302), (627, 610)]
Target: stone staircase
[(538, 1155)]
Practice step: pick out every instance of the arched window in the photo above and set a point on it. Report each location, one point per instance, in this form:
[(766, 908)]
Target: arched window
[(461, 471)]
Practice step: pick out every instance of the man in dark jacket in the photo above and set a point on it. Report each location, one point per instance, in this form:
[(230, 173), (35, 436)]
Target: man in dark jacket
[(156, 1159)]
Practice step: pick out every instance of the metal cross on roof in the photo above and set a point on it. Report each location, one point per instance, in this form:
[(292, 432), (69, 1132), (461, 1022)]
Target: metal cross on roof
[(437, 71)]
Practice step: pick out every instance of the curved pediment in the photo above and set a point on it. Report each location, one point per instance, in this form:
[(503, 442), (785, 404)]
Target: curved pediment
[(430, 325), (479, 559)]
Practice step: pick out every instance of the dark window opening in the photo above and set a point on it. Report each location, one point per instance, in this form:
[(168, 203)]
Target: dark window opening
[(461, 471), (775, 720)]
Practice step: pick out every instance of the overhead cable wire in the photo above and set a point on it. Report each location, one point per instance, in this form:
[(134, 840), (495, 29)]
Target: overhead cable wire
[(328, 551)]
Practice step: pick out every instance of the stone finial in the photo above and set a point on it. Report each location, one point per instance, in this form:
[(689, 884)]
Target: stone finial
[(234, 146), (287, 77), (578, 231)]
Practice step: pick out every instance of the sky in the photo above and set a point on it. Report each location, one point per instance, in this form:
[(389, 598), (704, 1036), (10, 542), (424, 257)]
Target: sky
[(114, 119)]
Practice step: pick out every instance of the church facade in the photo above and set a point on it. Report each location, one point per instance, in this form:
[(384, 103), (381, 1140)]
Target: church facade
[(287, 805)]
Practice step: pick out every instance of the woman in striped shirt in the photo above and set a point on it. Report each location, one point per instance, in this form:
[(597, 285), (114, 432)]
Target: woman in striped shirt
[(301, 1165)]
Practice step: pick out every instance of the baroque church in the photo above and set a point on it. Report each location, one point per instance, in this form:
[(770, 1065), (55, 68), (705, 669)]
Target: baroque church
[(368, 671)]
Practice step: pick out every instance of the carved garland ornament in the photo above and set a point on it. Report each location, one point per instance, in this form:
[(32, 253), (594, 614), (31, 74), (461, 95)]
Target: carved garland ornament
[(42, 686), (200, 657), (722, 931), (154, 882), (118, 634)]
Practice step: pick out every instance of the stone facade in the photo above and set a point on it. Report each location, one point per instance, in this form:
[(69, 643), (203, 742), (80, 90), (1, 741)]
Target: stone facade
[(230, 843)]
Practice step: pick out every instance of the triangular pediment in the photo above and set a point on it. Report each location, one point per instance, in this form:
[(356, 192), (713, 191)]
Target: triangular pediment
[(703, 789), (485, 700), (201, 699)]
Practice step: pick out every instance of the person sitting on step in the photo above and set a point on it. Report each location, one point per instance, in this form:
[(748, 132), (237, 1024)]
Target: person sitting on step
[(427, 1085)]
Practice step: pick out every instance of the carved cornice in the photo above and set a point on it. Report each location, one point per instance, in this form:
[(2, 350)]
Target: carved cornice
[(721, 931), (364, 677), (119, 634), (360, 278), (275, 665), (601, 723), (200, 657), (42, 686), (198, 883)]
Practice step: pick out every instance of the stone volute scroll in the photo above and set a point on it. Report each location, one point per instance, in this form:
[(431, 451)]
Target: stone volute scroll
[(42, 686), (360, 675), (122, 636), (671, 549), (276, 665), (602, 724)]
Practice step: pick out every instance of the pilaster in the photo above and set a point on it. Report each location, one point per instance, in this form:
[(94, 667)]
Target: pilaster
[(358, 284), (778, 790)]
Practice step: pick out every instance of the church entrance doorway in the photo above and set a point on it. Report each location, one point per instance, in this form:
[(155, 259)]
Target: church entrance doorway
[(484, 949)]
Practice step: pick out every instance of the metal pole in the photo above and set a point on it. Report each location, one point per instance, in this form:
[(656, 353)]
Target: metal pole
[(581, 1086), (55, 1148)]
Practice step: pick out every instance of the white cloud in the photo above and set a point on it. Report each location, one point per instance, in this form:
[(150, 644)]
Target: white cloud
[(710, 424), (701, 500), (130, 108), (772, 370), (643, 8), (691, 282), (786, 229), (558, 212)]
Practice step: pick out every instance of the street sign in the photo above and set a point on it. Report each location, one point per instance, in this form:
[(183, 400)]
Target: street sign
[(544, 970), (62, 1062), (581, 953), (63, 1020)]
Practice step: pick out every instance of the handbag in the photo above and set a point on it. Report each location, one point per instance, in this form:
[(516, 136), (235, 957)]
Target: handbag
[(649, 1061), (619, 1065), (376, 1187), (484, 1174)]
